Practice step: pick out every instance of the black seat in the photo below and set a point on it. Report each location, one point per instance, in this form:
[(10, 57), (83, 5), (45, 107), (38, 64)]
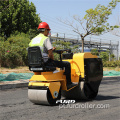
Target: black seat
[(36, 62)]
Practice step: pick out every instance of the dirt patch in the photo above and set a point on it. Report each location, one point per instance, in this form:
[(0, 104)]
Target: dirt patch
[(111, 68), (25, 69), (15, 70)]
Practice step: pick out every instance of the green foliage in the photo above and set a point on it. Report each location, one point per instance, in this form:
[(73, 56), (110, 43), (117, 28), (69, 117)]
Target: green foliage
[(13, 51), (32, 33), (64, 45), (112, 56), (2, 38), (95, 52), (104, 56), (97, 18), (17, 15), (60, 45), (111, 63), (94, 22)]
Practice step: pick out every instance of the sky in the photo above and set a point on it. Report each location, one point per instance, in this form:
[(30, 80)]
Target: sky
[(52, 11)]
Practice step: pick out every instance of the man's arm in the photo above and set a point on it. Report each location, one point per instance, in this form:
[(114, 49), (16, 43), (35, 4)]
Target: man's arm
[(49, 48), (50, 54)]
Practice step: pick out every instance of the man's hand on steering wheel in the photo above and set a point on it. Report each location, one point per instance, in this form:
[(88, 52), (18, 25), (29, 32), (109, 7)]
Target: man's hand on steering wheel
[(54, 48)]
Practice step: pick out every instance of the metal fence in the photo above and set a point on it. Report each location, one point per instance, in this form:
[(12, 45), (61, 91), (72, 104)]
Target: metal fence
[(89, 42)]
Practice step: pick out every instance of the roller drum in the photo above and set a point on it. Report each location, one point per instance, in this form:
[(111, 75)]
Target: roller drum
[(84, 90), (38, 96)]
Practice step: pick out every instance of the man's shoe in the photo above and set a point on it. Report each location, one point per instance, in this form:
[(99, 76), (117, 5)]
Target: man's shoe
[(71, 85)]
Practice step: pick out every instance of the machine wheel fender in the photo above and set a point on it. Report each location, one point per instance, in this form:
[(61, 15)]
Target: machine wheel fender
[(54, 88)]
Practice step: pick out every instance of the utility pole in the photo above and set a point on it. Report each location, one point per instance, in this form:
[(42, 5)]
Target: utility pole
[(110, 51), (64, 37), (118, 51)]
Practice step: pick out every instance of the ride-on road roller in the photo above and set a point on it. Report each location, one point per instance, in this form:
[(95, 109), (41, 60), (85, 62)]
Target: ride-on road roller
[(47, 85)]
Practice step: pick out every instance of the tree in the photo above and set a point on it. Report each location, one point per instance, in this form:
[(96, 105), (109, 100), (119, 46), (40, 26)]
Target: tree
[(94, 22), (116, 31), (17, 15)]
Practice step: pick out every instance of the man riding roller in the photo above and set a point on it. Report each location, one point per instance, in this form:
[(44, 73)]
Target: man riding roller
[(43, 41)]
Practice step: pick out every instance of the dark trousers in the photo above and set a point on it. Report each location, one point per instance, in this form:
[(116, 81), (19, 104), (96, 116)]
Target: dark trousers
[(61, 64)]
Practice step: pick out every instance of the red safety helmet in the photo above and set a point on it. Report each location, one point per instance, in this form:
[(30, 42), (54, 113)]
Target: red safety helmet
[(44, 25)]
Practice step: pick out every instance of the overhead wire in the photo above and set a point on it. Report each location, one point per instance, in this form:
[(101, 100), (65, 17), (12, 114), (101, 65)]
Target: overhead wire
[(57, 23), (60, 29)]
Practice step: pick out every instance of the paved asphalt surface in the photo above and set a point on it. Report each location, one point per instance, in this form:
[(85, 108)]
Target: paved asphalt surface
[(15, 105)]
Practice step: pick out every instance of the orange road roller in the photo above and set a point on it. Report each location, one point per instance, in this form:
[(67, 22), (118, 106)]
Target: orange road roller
[(48, 84)]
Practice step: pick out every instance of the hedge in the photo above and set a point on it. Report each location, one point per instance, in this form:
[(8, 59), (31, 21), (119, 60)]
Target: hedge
[(13, 51), (111, 63)]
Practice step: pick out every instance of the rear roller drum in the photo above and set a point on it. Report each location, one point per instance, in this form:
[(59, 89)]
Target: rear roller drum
[(84, 90), (87, 91), (43, 96)]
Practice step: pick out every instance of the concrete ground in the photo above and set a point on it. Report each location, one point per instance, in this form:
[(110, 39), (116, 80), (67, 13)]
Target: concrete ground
[(15, 105)]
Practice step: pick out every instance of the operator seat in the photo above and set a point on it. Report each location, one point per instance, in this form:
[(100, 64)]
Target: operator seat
[(35, 60)]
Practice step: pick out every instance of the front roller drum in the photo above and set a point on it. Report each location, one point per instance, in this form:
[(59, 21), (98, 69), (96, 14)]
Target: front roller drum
[(40, 96)]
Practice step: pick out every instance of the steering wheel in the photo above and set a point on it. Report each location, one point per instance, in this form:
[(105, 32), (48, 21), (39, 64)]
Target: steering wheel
[(61, 51)]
